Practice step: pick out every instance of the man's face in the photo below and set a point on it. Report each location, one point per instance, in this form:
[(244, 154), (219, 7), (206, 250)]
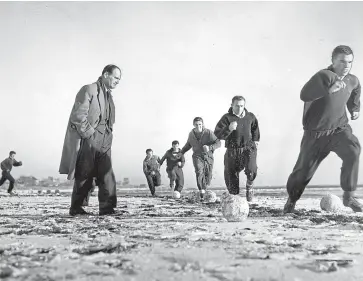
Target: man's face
[(149, 154), (342, 64), (12, 156), (198, 126), (111, 80), (238, 106), (175, 146)]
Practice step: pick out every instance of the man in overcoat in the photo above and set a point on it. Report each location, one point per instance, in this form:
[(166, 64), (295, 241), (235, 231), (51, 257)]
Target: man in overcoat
[(87, 146)]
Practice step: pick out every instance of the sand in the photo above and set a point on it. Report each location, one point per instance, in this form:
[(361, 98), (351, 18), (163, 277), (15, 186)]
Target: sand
[(166, 239)]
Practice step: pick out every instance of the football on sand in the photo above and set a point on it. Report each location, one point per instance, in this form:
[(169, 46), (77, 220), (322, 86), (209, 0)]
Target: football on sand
[(210, 196), (176, 194), (234, 207), (193, 196), (331, 203)]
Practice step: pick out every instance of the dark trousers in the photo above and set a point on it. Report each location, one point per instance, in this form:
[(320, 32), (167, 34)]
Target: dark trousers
[(94, 160), (176, 175), (314, 150), (153, 180), (203, 166), (236, 160), (6, 176), (86, 200)]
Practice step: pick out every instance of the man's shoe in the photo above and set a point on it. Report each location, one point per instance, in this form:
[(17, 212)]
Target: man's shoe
[(289, 206), (353, 203), (12, 193), (77, 211), (107, 212)]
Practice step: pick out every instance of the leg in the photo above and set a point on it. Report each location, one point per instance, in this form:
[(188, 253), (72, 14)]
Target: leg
[(86, 200), (179, 180), (312, 153), (3, 179), (172, 177), (347, 147), (106, 178), (249, 159), (80, 194), (209, 170), (157, 179), (11, 183), (232, 163), (198, 164), (150, 182), (83, 176)]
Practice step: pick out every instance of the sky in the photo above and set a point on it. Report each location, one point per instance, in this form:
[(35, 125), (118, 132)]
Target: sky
[(179, 60)]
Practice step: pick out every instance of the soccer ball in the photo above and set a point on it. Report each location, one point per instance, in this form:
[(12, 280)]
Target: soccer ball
[(331, 203), (234, 207), (210, 196), (193, 196), (176, 194)]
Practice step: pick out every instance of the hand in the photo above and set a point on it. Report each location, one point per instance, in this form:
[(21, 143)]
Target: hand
[(355, 115), (337, 86), (256, 143), (205, 148), (90, 137), (20, 163), (152, 173), (233, 126), (179, 164)]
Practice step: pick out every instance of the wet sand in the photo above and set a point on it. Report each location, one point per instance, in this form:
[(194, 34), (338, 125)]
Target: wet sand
[(165, 239)]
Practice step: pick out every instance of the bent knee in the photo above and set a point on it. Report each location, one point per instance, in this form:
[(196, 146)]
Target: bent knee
[(353, 151), (251, 175)]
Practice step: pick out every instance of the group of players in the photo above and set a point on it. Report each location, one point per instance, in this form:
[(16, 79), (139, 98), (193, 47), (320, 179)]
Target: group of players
[(86, 155), (240, 131)]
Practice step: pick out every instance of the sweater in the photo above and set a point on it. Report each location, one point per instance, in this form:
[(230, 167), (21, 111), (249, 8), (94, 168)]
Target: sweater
[(8, 164), (172, 159), (207, 137), (324, 112), (247, 130), (151, 164)]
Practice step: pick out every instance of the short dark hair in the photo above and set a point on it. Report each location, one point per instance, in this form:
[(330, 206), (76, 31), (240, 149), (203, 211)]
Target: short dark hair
[(12, 152), (342, 49), (196, 119), (238, 98), (110, 68), (175, 142), (149, 150)]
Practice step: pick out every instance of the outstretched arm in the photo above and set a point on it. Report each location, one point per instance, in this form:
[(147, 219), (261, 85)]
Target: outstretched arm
[(215, 143), (163, 159), (186, 148), (182, 160), (16, 163), (158, 159)]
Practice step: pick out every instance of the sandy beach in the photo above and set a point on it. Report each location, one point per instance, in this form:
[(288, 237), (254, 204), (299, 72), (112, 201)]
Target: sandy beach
[(165, 239)]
